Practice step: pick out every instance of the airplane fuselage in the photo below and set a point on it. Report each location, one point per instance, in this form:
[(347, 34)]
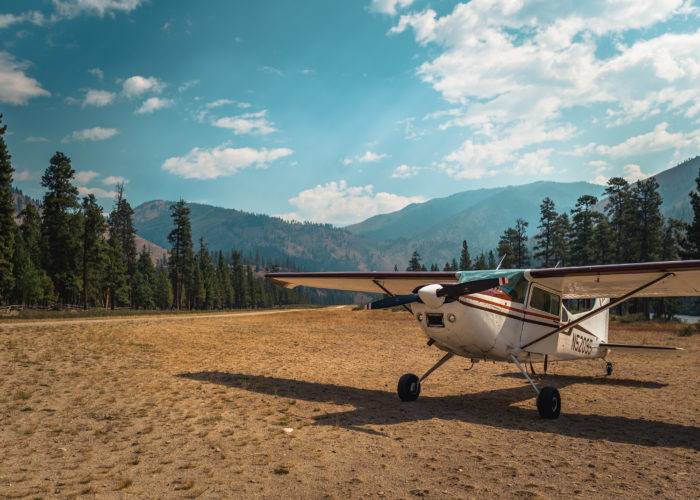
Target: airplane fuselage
[(491, 326)]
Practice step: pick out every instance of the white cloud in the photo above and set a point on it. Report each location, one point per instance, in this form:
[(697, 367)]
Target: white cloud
[(187, 85), (371, 157), (535, 163), (516, 65), (634, 173), (31, 16), (271, 70), (15, 86), (73, 8), (599, 167), (23, 176), (98, 98), (221, 161), (338, 203), (659, 139), (97, 73), (347, 161), (389, 6), (98, 192), (136, 86), (404, 171), (35, 138), (91, 134), (247, 123), (153, 104), (85, 176), (113, 180)]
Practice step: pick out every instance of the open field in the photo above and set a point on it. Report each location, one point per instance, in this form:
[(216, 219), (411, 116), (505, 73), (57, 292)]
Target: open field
[(303, 404)]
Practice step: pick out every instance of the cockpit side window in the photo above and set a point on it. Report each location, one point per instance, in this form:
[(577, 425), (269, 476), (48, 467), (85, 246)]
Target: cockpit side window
[(545, 301)]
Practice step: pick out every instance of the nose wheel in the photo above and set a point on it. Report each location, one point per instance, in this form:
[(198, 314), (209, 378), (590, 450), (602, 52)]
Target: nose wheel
[(409, 384), (409, 387)]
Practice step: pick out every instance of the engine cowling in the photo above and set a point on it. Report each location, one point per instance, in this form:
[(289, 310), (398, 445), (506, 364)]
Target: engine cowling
[(429, 295)]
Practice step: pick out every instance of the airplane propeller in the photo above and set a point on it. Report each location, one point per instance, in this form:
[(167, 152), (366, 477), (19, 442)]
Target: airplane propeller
[(437, 294)]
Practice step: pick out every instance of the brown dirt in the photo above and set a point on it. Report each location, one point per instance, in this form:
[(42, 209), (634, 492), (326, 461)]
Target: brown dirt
[(199, 407)]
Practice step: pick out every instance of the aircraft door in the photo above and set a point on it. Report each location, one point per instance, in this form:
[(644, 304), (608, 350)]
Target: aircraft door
[(542, 314)]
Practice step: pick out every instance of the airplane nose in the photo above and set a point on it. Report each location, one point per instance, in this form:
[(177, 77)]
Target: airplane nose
[(428, 294)]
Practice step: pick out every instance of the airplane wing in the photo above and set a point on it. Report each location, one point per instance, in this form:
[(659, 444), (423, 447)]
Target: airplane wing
[(615, 280), (395, 283)]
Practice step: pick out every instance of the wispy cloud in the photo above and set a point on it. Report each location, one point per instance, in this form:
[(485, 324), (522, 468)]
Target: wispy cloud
[(98, 98), (247, 123), (136, 86), (15, 86), (221, 161), (154, 104), (339, 203), (91, 134)]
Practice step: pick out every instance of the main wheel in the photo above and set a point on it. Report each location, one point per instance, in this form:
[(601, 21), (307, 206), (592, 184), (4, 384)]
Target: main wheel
[(549, 403), (609, 368), (409, 387)]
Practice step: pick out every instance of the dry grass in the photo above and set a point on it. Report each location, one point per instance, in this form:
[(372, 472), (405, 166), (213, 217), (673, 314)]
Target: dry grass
[(303, 405)]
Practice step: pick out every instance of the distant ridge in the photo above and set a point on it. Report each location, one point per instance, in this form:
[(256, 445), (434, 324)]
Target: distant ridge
[(435, 228)]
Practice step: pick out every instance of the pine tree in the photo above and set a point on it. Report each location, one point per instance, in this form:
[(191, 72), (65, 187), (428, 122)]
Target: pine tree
[(621, 214), (583, 218), (560, 240), (506, 249), (115, 284), (415, 263), (691, 248), (481, 262), (512, 246), (94, 248), (647, 201), (32, 285), (544, 239), (447, 267), (453, 265), (121, 228), (492, 260), (465, 261), (181, 255), (163, 289), (60, 238), (603, 240), (145, 282), (7, 220), (224, 278), (206, 270)]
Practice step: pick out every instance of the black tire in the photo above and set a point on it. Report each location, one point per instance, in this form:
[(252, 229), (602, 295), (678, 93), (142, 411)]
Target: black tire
[(549, 403), (609, 368), (409, 387)]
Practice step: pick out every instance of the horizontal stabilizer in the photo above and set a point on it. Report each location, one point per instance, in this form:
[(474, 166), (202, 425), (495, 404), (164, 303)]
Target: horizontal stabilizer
[(641, 346)]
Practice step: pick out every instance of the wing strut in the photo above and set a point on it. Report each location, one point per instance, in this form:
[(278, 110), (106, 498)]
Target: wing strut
[(592, 313), (376, 282)]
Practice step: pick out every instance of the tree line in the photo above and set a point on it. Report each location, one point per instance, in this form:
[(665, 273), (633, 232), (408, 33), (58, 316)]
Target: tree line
[(66, 252)]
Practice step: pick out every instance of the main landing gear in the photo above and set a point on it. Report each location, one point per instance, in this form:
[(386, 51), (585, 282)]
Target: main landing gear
[(409, 384), (548, 399), (608, 368)]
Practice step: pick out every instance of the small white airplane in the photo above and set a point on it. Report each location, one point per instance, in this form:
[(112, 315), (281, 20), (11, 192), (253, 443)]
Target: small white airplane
[(513, 315)]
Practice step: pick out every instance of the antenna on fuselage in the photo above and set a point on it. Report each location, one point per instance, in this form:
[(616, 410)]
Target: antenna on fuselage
[(499, 264)]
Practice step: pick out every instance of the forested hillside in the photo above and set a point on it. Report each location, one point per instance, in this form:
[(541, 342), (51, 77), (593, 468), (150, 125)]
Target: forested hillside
[(310, 246)]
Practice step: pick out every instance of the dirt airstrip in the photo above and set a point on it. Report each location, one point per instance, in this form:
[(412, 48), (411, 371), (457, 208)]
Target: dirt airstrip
[(303, 404)]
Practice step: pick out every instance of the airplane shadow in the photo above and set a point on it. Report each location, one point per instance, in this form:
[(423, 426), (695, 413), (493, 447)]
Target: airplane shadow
[(492, 408)]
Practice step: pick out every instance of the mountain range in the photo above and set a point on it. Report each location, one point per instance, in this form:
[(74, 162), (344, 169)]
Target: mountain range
[(435, 228)]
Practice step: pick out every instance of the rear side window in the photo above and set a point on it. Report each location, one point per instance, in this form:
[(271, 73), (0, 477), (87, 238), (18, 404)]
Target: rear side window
[(545, 301)]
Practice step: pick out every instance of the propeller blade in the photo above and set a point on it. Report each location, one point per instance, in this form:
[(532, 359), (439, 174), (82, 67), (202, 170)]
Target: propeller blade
[(396, 300), (456, 290)]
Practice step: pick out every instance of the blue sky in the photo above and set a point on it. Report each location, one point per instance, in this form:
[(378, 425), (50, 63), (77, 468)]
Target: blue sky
[(334, 111)]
